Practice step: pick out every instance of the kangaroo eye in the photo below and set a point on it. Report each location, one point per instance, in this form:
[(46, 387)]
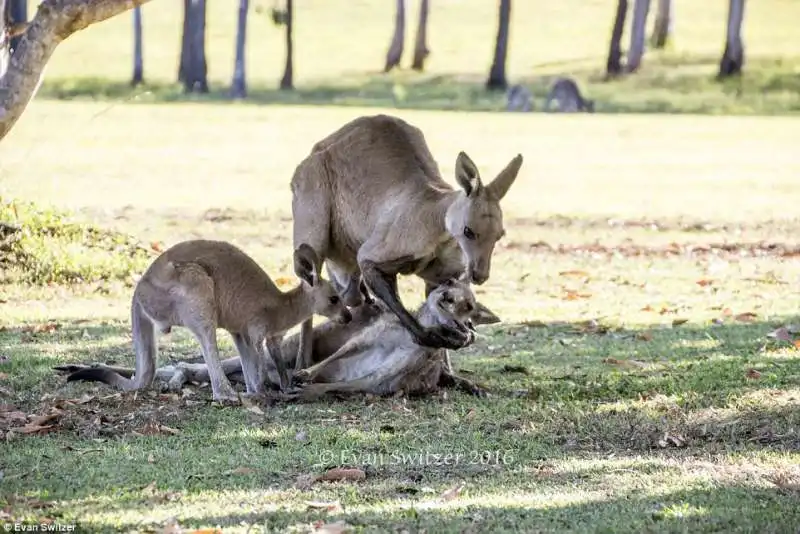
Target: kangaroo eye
[(468, 233), (334, 300)]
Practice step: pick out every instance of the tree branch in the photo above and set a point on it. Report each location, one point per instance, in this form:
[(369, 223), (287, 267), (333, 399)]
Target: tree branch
[(55, 20)]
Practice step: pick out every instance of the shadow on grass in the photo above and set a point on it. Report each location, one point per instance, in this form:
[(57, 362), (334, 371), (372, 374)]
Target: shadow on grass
[(666, 84)]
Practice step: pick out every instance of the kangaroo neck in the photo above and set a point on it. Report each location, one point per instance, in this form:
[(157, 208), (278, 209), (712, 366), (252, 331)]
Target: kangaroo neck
[(296, 306)]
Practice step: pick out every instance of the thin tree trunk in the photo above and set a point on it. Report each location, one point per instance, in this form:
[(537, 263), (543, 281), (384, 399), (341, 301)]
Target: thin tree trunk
[(138, 59), (663, 24), (287, 82), (497, 73), (732, 60), (421, 50), (5, 44), (395, 51), (641, 9), (55, 21), (614, 63), (17, 13), (185, 40), (239, 83), (195, 74)]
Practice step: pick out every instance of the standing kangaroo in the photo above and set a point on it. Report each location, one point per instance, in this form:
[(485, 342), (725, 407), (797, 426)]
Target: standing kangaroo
[(519, 98), (204, 285), (369, 199), (376, 354), (566, 92)]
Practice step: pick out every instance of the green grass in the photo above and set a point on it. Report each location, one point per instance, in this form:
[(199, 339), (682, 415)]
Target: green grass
[(340, 48), (605, 417)]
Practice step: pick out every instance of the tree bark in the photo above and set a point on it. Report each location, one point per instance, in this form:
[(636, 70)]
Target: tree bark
[(614, 63), (55, 21), (641, 9), (421, 50), (395, 51), (194, 70), (287, 81), (239, 83), (663, 24), (732, 60), (17, 13), (138, 59), (497, 73), (5, 43)]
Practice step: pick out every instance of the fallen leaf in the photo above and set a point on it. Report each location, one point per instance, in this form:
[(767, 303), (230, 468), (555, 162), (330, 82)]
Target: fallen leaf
[(283, 281), (250, 406), (240, 471), (647, 308), (85, 398), (727, 312), (332, 506), (151, 459), (470, 414), (704, 282), (753, 374), (574, 295), (625, 363), (3, 376), (678, 322), (645, 336), (746, 317), (675, 441), (797, 344), (582, 274), (341, 473), (158, 246), (333, 528), (452, 493), (169, 430)]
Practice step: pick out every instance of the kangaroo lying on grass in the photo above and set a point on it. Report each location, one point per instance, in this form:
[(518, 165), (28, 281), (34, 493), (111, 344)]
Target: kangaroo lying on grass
[(370, 201), (375, 352), (204, 285)]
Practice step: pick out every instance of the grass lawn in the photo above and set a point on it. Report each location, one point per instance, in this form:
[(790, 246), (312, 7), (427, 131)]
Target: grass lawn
[(635, 388)]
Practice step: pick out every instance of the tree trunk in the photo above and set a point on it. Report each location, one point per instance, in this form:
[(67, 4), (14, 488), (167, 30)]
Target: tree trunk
[(17, 13), (287, 82), (614, 63), (395, 51), (497, 73), (733, 57), (663, 24), (185, 43), (55, 21), (195, 69), (138, 60), (5, 44), (421, 50), (239, 83), (638, 28)]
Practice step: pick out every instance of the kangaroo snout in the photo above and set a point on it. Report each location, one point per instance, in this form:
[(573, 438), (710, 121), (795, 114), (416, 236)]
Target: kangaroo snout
[(344, 317)]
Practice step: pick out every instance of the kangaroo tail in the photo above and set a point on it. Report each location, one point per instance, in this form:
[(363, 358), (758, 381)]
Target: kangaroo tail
[(144, 344), (360, 385)]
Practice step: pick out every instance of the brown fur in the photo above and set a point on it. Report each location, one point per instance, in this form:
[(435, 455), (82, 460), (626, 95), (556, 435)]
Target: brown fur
[(330, 337), (371, 202), (566, 92), (204, 285)]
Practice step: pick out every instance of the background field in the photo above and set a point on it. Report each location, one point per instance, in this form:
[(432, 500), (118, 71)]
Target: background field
[(635, 387)]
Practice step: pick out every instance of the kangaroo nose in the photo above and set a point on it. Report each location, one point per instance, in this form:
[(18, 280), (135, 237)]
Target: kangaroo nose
[(479, 278)]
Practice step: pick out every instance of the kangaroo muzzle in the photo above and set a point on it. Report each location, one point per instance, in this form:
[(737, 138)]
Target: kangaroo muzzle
[(344, 317)]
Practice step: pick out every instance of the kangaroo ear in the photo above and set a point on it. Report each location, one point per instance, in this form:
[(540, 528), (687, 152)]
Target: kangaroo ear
[(500, 185), (483, 315), (305, 264), (467, 174)]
